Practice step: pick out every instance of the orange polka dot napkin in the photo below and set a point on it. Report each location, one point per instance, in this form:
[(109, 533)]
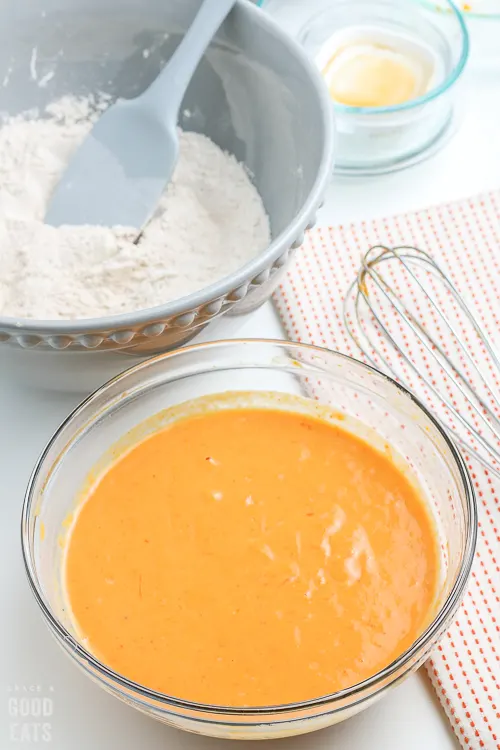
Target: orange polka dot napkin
[(464, 237)]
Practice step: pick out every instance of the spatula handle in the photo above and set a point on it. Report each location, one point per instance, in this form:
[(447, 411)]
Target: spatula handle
[(164, 96)]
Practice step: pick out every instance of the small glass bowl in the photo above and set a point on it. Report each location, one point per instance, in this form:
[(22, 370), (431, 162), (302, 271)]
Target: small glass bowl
[(483, 24), (373, 140), (385, 409), (471, 9)]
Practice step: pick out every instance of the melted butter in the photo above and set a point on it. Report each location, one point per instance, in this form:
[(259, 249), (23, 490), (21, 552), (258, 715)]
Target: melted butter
[(374, 69), (369, 76)]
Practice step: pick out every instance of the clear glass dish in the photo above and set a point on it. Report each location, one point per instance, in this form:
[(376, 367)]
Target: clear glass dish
[(471, 9), (387, 412), (482, 18), (374, 140)]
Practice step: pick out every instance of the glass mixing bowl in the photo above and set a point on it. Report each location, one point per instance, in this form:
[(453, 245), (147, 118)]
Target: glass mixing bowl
[(388, 413)]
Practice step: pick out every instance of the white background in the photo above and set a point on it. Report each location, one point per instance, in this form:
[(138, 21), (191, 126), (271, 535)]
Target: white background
[(85, 718)]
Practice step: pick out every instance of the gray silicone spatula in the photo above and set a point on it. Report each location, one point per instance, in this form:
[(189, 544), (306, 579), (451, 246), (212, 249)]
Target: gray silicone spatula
[(117, 176)]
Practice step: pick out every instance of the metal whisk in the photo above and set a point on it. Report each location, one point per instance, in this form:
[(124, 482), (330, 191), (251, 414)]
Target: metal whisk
[(409, 320)]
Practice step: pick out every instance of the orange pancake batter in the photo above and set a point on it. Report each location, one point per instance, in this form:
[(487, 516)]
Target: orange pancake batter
[(251, 556)]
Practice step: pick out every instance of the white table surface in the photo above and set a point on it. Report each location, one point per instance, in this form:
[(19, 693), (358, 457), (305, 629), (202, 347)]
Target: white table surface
[(84, 717)]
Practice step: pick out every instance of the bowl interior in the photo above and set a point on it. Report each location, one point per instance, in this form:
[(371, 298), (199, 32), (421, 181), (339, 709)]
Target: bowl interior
[(373, 406), (251, 94)]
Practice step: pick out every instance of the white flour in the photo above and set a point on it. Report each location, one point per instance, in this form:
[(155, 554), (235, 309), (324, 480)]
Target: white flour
[(210, 222)]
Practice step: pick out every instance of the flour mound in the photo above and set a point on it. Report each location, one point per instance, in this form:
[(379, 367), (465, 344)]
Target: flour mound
[(210, 222)]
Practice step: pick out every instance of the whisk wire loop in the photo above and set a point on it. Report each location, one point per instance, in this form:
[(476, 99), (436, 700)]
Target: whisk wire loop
[(374, 302)]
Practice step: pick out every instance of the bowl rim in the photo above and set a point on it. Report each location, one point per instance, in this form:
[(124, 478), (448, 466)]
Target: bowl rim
[(437, 8), (390, 672), (252, 268), (434, 93)]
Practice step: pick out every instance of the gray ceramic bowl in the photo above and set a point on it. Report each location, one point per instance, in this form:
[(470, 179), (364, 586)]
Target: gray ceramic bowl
[(255, 94)]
